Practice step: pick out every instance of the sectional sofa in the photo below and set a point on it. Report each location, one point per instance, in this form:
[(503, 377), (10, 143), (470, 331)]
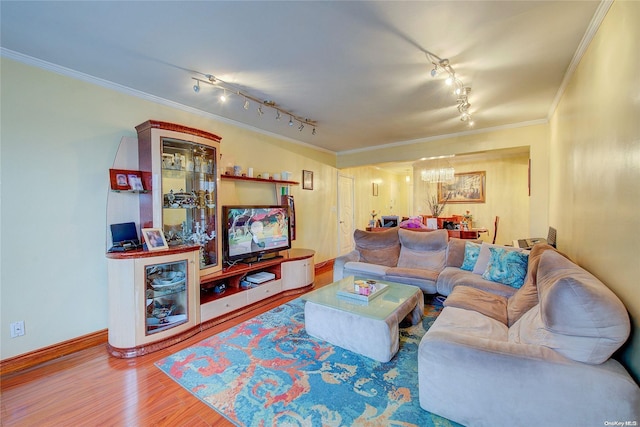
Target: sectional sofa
[(537, 351)]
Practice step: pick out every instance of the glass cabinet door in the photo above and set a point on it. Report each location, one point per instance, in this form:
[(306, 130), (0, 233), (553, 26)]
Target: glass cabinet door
[(189, 196), (166, 296)]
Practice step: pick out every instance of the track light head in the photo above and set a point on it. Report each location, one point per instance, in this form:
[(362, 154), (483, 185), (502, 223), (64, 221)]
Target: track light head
[(313, 132), (459, 90), (209, 79)]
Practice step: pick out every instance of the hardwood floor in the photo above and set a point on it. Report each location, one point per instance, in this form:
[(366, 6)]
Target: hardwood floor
[(91, 388)]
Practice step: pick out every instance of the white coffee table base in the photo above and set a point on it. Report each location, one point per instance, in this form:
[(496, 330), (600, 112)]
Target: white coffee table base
[(377, 339)]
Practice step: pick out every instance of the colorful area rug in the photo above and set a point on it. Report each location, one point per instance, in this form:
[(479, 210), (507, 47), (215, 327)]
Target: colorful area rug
[(268, 372)]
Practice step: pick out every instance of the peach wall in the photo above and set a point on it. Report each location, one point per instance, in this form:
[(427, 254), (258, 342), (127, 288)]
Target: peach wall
[(59, 137), (595, 163)]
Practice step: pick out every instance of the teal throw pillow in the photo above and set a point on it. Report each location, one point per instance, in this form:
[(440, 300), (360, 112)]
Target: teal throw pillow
[(471, 252), (507, 267)]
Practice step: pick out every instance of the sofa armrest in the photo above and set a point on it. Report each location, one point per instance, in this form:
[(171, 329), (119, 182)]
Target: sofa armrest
[(484, 382), (339, 262)]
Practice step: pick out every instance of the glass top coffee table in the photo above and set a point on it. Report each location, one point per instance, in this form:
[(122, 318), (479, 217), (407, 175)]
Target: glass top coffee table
[(368, 328)]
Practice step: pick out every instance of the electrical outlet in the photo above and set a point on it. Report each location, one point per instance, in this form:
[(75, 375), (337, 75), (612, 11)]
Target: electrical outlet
[(17, 329)]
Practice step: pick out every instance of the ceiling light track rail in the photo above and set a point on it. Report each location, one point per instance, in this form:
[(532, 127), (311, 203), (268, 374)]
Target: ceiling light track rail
[(229, 89), (443, 66)]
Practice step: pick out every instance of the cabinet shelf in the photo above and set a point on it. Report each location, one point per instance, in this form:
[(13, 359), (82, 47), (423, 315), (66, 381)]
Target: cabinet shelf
[(131, 191), (268, 181), (172, 173)]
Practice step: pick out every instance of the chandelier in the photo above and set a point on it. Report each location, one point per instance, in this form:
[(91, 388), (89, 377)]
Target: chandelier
[(439, 171), (442, 66)]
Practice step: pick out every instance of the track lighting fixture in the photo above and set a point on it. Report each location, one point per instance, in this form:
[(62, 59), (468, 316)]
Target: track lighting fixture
[(230, 89), (442, 65)]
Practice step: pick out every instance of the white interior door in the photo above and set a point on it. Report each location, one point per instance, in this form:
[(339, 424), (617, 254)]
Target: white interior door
[(345, 213)]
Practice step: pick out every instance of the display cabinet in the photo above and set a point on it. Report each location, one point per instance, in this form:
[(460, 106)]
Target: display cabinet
[(184, 170), (160, 307), (167, 295)]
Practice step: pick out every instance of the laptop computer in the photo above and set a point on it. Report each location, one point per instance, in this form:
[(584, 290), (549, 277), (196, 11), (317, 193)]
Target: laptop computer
[(125, 237), (528, 243)]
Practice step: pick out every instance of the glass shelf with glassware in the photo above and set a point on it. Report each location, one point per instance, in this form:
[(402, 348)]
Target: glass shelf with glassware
[(189, 196), (166, 295)]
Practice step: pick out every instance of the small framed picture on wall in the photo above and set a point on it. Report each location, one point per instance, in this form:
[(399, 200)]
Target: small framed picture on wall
[(307, 180)]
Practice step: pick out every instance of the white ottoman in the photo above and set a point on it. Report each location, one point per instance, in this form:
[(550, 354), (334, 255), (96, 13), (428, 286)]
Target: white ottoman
[(370, 330)]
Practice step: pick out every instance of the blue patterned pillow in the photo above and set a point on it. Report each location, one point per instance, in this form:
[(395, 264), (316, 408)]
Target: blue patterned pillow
[(507, 267), (471, 252)]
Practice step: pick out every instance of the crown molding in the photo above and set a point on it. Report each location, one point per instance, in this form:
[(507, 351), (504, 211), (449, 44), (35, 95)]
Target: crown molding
[(447, 136), (591, 32), (74, 74)]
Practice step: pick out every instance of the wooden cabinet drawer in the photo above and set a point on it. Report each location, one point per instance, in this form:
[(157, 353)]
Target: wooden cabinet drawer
[(222, 306), (264, 291)]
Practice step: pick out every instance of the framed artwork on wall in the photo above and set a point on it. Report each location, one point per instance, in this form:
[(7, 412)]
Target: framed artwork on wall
[(307, 180), (287, 200), (468, 187)]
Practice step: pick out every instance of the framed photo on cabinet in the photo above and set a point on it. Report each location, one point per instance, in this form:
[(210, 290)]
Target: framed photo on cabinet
[(129, 180), (154, 238)]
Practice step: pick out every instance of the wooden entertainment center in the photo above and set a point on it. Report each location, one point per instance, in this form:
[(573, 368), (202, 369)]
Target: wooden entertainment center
[(160, 297), (131, 291), (293, 270)]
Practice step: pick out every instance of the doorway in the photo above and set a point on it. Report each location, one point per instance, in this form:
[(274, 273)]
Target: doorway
[(345, 213)]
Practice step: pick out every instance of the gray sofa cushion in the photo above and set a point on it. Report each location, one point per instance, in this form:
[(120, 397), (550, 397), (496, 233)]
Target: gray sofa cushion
[(455, 251), (451, 277), (578, 316), (468, 298), (381, 247), (364, 268), (527, 296), (485, 256), (423, 249)]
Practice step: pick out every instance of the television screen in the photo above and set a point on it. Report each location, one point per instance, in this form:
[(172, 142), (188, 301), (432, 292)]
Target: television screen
[(253, 231)]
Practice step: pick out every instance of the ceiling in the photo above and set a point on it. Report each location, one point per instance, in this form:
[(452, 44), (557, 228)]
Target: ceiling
[(357, 68)]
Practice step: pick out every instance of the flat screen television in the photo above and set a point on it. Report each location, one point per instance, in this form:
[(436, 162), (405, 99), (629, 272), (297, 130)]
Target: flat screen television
[(253, 233)]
